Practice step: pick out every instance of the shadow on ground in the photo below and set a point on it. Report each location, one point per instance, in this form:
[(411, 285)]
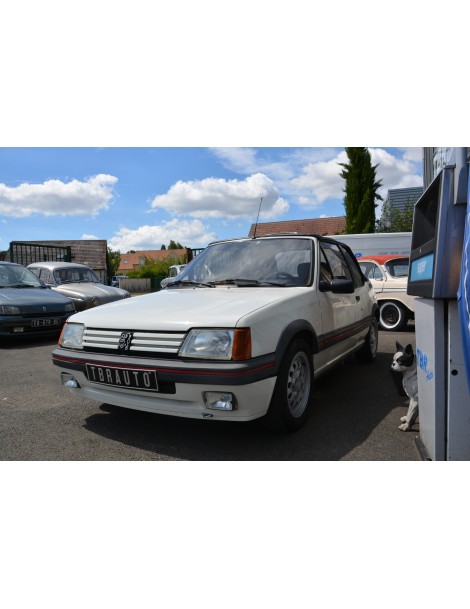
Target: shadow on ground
[(349, 404)]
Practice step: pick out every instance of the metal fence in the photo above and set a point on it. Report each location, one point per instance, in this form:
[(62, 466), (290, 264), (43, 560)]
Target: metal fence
[(27, 253)]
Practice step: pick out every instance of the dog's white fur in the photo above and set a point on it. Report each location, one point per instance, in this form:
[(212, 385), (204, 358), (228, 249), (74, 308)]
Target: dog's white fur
[(410, 384)]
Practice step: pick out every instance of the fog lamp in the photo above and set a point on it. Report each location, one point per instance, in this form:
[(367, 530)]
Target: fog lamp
[(18, 329), (68, 380), (220, 401)]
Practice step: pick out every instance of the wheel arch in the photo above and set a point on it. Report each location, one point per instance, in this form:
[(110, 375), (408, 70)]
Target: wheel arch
[(376, 311), (300, 328)]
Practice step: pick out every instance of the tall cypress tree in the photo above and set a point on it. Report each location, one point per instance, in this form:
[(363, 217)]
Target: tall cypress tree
[(360, 191)]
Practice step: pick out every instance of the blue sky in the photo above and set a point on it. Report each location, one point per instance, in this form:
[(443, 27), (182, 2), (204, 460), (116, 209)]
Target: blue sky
[(141, 198)]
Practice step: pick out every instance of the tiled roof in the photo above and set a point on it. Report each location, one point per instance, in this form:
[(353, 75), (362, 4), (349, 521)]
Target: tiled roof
[(320, 226), (132, 261)]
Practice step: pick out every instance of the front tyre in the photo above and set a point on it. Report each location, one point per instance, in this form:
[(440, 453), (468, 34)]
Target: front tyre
[(368, 351), (293, 391)]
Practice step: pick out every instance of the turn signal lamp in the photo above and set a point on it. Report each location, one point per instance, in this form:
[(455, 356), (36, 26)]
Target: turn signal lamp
[(241, 349)]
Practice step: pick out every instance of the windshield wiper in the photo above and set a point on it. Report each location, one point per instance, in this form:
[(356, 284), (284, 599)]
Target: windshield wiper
[(188, 282), (22, 285), (247, 283)]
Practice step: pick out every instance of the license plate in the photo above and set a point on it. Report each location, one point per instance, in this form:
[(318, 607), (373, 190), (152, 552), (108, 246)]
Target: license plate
[(51, 321), (129, 378)]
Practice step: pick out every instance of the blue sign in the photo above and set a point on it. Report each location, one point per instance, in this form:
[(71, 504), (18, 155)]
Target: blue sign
[(422, 268), (463, 295)]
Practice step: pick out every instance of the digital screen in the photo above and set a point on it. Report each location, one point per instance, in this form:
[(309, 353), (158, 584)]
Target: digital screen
[(422, 268)]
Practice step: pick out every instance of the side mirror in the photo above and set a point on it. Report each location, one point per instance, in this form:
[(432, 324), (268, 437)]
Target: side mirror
[(342, 286)]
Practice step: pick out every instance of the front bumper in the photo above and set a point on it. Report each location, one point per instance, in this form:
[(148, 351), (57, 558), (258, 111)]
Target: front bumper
[(19, 325), (182, 384)]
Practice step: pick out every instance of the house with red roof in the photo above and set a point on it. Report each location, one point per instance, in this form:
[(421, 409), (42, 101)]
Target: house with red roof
[(318, 226), (134, 260)]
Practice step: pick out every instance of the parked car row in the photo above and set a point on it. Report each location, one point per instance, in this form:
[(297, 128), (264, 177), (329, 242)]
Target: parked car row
[(239, 333), (37, 300)]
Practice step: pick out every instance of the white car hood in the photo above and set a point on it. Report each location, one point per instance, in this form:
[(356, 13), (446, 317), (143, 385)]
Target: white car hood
[(179, 309)]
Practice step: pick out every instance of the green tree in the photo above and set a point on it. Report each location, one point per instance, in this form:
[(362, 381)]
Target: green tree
[(155, 268), (360, 190), (114, 259), (396, 220), (175, 246), (151, 268)]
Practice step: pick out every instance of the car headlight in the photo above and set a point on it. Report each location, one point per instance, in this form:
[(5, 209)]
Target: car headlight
[(218, 344), (94, 302), (70, 306), (72, 336), (9, 310)]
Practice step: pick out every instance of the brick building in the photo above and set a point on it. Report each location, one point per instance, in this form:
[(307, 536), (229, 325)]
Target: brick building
[(130, 262), (318, 226), (91, 252)]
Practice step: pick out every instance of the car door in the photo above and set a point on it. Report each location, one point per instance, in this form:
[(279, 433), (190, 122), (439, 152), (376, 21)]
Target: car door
[(342, 313)]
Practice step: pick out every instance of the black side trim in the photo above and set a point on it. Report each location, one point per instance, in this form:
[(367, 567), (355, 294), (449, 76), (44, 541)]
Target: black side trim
[(333, 338)]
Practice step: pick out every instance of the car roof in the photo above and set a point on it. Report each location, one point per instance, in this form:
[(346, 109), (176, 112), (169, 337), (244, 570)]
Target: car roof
[(293, 235), (7, 262), (383, 258), (53, 265)]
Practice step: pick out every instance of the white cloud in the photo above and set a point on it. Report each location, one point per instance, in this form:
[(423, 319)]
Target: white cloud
[(57, 198), (86, 237), (220, 198), (240, 160), (285, 167), (394, 172), (189, 233), (413, 154), (320, 181)]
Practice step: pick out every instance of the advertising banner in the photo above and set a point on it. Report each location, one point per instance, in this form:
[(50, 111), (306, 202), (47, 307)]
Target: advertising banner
[(463, 296)]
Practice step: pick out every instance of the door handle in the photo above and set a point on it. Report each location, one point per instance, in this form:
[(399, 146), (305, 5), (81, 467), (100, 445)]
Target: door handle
[(358, 298)]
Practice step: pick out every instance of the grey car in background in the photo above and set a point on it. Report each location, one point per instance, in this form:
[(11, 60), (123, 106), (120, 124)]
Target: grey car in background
[(78, 282), (27, 307)]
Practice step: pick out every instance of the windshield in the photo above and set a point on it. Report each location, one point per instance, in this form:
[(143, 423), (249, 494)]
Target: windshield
[(280, 261), (398, 267), (16, 276), (75, 275)]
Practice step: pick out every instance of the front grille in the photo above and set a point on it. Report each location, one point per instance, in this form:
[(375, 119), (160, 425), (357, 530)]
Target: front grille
[(145, 344)]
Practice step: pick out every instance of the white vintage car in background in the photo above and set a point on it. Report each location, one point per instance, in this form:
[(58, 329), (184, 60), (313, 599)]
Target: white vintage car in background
[(240, 334), (389, 277), (173, 272)]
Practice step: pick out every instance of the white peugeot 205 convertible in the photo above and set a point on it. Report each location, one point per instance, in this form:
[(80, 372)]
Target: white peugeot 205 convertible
[(240, 334)]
